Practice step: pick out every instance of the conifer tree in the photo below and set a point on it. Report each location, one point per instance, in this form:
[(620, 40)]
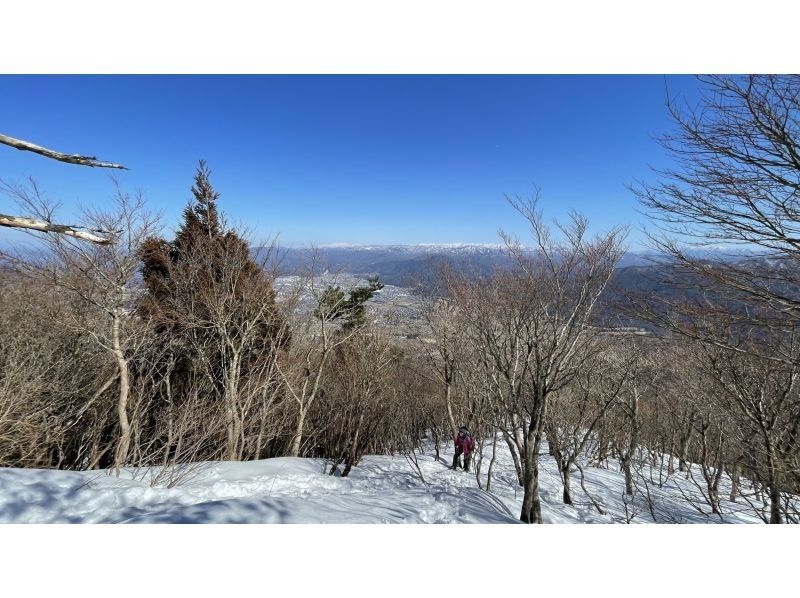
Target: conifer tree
[(334, 306), (212, 303)]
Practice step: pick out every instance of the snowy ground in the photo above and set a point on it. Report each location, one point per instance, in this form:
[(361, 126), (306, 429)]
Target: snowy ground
[(382, 489)]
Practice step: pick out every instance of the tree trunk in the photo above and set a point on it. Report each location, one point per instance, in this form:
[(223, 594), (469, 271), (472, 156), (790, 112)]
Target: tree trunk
[(448, 403), (686, 440), (735, 475), (772, 471), (348, 466), (531, 502), (564, 464), (713, 497), (233, 423), (515, 457), (712, 469), (602, 452), (671, 455), (294, 451), (530, 489), (626, 467), (633, 442), (352, 454), (775, 504), (477, 461), (491, 463), (565, 471), (123, 444), (436, 440)]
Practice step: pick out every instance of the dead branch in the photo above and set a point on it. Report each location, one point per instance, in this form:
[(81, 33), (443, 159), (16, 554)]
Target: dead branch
[(90, 161), (49, 227)]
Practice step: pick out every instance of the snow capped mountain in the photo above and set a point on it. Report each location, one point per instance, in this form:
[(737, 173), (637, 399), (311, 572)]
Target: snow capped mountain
[(420, 247), (395, 264), (400, 265)]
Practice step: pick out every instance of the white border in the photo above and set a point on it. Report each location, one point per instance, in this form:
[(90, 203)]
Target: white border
[(372, 560), (348, 36), (408, 36)]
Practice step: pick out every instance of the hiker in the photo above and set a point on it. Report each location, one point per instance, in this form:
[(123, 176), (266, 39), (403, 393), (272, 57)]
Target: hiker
[(464, 444)]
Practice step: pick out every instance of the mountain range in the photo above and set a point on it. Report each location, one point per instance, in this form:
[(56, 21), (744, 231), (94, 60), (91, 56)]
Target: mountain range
[(402, 265)]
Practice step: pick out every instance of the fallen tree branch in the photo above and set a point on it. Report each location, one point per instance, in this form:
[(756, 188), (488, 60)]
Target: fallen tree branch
[(49, 227), (70, 158)]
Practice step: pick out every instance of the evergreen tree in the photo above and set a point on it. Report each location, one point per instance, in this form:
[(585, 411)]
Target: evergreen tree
[(203, 243), (212, 304), (200, 218), (334, 306)]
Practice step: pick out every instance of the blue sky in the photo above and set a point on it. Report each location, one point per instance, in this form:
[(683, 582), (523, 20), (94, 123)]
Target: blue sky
[(349, 159)]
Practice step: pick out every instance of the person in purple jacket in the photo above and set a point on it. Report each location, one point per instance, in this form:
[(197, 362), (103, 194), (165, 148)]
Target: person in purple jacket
[(464, 444)]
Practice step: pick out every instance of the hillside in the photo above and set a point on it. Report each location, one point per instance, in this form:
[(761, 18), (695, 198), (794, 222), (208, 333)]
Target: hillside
[(382, 489)]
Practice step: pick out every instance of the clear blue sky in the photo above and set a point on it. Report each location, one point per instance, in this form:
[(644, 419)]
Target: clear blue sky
[(355, 159)]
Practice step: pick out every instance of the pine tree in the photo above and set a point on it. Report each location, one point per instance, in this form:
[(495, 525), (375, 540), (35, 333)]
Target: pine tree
[(334, 306), (202, 238), (213, 305), (200, 218)]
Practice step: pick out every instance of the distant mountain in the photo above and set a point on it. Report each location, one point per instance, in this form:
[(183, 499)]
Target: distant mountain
[(399, 265), (402, 265)]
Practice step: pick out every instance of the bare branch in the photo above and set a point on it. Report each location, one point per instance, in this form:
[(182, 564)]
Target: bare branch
[(90, 161), (49, 227)]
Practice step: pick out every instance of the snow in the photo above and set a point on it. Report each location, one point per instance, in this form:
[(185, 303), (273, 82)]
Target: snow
[(235, 560), (382, 489)]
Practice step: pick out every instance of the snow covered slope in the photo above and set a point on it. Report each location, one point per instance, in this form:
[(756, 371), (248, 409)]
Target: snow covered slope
[(382, 489)]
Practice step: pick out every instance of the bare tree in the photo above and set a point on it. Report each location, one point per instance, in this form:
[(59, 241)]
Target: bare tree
[(53, 400), (532, 324), (359, 398), (316, 332), (577, 411), (100, 276), (763, 396), (444, 353), (736, 183)]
